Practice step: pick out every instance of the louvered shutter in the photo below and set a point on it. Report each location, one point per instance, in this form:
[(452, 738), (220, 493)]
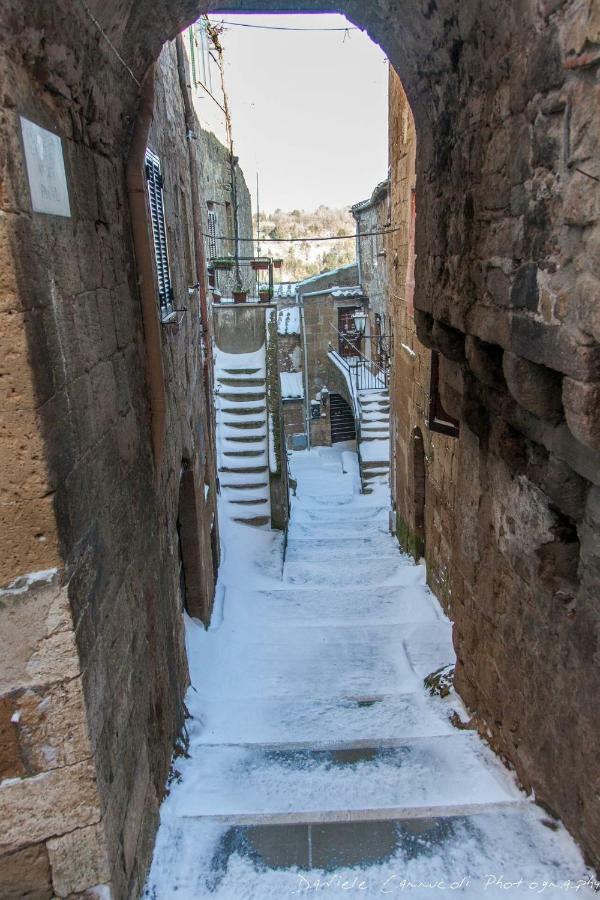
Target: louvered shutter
[(159, 233), (212, 234)]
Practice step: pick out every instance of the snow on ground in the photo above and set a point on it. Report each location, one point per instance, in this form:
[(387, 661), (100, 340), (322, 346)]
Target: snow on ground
[(292, 386), (317, 761)]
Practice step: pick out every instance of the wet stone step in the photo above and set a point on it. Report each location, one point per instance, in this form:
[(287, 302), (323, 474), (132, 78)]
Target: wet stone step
[(478, 854)]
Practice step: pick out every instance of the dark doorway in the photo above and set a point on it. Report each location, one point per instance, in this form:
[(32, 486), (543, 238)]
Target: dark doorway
[(342, 420), (192, 584)]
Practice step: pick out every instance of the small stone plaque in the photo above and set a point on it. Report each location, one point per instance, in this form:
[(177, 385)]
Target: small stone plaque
[(45, 170)]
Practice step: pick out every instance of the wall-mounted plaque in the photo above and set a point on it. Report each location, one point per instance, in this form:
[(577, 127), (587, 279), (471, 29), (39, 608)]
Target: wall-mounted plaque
[(45, 170)]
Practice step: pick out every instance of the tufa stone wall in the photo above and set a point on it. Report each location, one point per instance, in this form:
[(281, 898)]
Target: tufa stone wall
[(508, 522), (94, 673)]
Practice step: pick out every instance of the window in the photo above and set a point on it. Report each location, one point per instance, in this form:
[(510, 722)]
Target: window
[(439, 419), (159, 233), (212, 231)]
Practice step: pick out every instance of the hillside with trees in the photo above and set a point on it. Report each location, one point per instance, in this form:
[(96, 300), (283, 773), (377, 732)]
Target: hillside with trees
[(307, 257)]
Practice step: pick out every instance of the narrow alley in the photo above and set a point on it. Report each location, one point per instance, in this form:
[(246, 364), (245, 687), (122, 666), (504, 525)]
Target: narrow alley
[(317, 760)]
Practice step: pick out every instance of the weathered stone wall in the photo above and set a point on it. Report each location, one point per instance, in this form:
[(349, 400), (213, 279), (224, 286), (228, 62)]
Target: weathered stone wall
[(94, 670), (508, 529), (373, 215), (216, 181)]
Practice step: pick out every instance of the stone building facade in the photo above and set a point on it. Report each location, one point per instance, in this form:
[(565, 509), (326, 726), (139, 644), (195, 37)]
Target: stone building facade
[(372, 217), (109, 500), (506, 286)]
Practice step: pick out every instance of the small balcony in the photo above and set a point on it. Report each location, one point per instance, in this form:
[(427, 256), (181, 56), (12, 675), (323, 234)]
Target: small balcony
[(242, 279)]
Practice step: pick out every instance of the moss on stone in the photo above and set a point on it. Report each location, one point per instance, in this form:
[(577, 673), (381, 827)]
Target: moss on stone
[(408, 540)]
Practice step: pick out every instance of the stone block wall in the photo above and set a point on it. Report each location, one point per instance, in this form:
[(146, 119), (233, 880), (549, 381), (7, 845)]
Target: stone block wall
[(94, 669), (508, 518)]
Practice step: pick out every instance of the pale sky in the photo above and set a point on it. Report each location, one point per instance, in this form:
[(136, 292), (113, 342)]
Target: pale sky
[(309, 111)]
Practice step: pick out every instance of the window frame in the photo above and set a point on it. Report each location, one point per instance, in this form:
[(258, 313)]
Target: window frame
[(438, 419), (156, 205)]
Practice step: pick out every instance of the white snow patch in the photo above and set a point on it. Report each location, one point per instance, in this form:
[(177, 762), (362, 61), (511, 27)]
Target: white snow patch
[(24, 582), (288, 320), (292, 386)]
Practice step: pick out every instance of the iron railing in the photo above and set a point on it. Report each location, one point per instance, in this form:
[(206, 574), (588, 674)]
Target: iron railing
[(366, 374)]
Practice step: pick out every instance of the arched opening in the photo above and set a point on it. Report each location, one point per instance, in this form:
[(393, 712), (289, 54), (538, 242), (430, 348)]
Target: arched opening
[(419, 490), (191, 582), (342, 420)]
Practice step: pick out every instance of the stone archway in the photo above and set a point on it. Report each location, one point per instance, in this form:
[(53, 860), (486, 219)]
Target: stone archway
[(506, 286)]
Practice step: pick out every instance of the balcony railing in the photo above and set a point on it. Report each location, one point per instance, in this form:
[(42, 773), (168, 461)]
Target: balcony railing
[(366, 374)]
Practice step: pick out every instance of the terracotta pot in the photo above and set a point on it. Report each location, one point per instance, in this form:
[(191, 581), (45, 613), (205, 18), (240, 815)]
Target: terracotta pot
[(260, 265), (239, 296), (264, 296)]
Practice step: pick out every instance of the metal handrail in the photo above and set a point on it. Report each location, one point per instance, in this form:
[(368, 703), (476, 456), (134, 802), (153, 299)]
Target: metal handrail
[(369, 376)]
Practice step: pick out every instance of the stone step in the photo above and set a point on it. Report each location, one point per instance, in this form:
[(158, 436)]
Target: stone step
[(370, 857), (375, 464), (243, 454), (243, 470), (237, 397), (242, 382), (372, 572), (243, 410), (254, 521), (380, 545), (240, 371), (247, 439), (254, 423), (250, 784), (357, 721), (249, 486), (259, 501), (320, 608)]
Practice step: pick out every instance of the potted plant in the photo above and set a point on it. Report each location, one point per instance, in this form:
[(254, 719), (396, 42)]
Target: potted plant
[(223, 263), (260, 265), (216, 295), (277, 263), (239, 295), (264, 294)]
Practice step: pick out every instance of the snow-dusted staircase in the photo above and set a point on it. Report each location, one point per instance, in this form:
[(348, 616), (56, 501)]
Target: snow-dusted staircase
[(242, 435), (374, 445)]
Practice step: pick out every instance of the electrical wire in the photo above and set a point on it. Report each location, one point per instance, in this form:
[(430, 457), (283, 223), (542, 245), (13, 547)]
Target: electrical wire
[(280, 27), (306, 240)]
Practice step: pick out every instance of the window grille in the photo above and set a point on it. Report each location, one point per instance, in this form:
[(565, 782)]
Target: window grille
[(154, 182)]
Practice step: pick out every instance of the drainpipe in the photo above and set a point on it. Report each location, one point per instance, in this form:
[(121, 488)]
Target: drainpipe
[(306, 398), (144, 258)]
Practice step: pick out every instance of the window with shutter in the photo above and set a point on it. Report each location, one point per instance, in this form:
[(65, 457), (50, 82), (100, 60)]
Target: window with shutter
[(212, 232), (154, 182)]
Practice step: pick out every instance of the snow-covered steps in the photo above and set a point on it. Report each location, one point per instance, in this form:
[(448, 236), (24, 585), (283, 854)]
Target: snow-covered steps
[(317, 723), (347, 573), (420, 778), (316, 755), (241, 415), (200, 859), (321, 607), (374, 445)]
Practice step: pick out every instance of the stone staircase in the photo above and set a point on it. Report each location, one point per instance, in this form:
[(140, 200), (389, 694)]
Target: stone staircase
[(374, 446), (242, 436)]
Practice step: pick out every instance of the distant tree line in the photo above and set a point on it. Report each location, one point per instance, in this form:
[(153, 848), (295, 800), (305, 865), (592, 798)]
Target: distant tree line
[(306, 258)]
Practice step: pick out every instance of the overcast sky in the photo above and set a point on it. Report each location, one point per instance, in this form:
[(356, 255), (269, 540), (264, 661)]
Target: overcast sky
[(309, 111)]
